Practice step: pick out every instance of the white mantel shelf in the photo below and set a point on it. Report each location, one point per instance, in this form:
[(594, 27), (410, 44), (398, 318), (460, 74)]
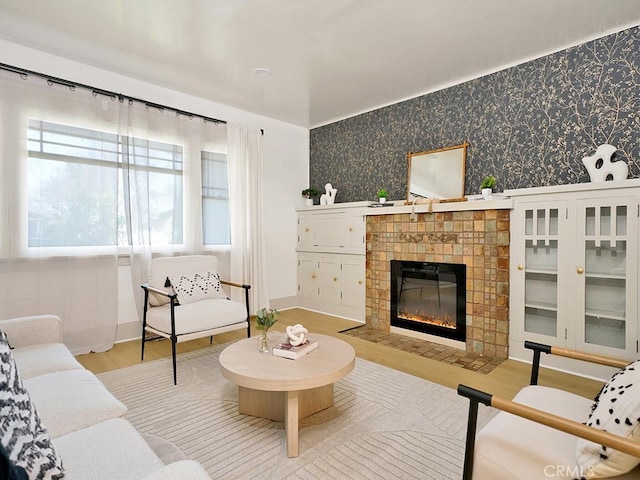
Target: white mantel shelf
[(399, 207)]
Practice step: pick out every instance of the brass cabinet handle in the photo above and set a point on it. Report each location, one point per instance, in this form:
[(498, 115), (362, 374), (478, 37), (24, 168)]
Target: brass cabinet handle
[(359, 282), (580, 270), (313, 275), (335, 279), (351, 229), (520, 267), (306, 229)]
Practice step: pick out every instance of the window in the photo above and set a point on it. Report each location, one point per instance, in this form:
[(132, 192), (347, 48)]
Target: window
[(75, 187), (215, 199)]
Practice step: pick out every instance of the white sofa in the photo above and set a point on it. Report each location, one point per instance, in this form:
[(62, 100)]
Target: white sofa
[(85, 422)]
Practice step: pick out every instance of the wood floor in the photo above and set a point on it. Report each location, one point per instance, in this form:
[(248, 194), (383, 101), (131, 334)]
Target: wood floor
[(504, 381)]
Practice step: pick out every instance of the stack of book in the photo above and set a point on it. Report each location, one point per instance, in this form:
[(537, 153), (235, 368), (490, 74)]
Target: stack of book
[(286, 350)]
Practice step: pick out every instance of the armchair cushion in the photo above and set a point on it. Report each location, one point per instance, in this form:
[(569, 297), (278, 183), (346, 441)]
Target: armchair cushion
[(616, 410), (511, 447), (193, 287), (22, 434), (199, 316), (167, 267)]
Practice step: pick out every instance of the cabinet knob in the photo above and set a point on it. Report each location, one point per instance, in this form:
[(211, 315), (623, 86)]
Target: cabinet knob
[(306, 229), (580, 270), (359, 282), (335, 279), (351, 229), (520, 267), (313, 275)]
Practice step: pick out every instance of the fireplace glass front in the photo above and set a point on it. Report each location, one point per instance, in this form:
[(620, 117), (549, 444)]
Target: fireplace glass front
[(429, 297)]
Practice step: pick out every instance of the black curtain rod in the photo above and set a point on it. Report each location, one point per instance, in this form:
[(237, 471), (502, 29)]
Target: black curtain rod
[(98, 91)]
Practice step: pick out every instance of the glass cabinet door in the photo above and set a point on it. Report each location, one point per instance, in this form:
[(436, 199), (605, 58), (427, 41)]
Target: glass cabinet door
[(538, 273), (606, 273)]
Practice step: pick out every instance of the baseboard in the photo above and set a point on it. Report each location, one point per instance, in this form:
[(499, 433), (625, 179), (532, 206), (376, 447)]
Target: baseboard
[(126, 332), (283, 303)]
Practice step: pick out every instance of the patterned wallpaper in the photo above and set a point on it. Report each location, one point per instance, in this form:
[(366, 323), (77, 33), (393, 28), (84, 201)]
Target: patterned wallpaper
[(529, 125)]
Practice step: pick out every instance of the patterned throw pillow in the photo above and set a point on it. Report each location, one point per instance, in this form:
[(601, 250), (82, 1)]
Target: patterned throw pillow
[(22, 435), (616, 410), (197, 286)]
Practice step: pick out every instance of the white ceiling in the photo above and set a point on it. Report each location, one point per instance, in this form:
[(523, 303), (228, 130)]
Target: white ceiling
[(330, 59)]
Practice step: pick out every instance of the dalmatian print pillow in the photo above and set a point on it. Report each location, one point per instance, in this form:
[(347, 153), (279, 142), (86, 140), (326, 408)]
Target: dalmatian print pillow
[(616, 410)]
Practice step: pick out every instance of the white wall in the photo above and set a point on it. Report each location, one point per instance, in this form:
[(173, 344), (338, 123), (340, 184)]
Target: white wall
[(286, 163)]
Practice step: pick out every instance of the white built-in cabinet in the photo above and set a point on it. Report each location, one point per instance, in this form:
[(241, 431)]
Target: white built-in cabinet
[(331, 260), (574, 268)]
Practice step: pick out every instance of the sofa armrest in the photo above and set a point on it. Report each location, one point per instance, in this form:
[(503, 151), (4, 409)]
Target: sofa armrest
[(182, 470), (32, 330)]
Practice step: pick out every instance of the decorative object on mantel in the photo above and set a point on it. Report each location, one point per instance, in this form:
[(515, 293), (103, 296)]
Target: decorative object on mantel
[(265, 319), (382, 195), (601, 168), (487, 185), (308, 194), (329, 197), (421, 201)]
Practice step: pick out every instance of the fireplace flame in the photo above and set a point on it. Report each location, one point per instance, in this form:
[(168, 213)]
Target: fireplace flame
[(446, 322)]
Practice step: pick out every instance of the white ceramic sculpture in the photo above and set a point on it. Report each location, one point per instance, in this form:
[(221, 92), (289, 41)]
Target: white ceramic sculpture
[(297, 334), (329, 197), (600, 166)]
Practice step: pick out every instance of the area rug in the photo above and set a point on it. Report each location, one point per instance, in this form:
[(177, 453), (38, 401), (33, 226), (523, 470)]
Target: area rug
[(435, 351), (384, 424)]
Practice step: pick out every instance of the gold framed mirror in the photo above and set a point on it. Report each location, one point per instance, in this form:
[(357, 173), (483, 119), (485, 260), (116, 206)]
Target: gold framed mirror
[(436, 174)]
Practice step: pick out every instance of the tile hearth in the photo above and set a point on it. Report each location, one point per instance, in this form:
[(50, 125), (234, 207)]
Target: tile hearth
[(435, 351)]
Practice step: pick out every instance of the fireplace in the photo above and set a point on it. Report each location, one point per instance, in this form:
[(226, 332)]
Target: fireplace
[(429, 297)]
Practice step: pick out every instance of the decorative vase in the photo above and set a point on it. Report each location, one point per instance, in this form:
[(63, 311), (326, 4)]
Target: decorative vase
[(382, 199), (264, 342), (308, 202), (486, 193)]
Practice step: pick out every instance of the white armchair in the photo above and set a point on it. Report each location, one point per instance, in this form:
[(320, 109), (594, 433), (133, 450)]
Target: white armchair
[(550, 433), (185, 300)]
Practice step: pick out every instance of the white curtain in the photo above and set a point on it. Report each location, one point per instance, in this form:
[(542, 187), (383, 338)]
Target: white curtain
[(163, 210), (87, 179), (46, 267), (248, 251)]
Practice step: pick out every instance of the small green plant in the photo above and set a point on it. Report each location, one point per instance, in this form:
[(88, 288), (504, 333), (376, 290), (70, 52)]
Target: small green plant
[(310, 192), (266, 318), (488, 182), (382, 193)]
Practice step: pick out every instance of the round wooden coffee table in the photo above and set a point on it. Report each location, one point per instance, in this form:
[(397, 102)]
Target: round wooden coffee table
[(281, 389)]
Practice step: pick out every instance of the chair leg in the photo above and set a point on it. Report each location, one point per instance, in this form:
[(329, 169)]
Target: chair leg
[(211, 340), (142, 348), (173, 355)]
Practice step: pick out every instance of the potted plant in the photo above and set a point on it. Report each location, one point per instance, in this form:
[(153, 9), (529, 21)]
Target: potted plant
[(487, 185), (382, 195), (308, 194), (265, 319)]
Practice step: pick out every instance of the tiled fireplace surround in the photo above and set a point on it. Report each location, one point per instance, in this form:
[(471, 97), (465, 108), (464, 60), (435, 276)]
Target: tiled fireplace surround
[(477, 238)]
